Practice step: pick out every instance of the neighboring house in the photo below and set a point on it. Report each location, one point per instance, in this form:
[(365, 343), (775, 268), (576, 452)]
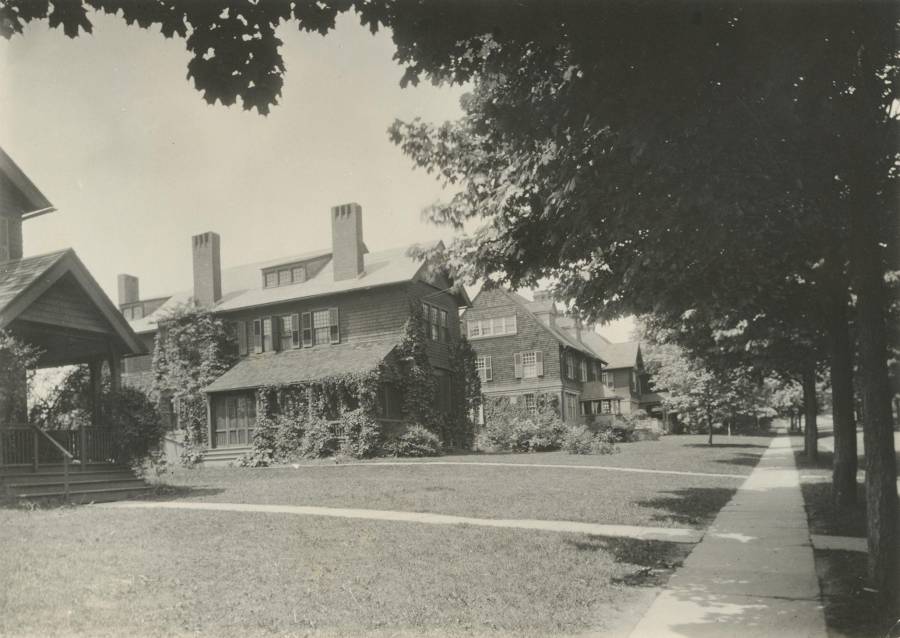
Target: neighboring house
[(524, 349), (51, 302), (305, 317)]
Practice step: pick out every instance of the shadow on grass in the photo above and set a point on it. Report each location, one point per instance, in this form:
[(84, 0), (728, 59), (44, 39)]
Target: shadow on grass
[(743, 459), (172, 492), (727, 445), (651, 561), (694, 506)]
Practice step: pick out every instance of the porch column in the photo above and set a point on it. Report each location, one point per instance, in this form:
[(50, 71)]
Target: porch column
[(115, 372), (210, 435), (96, 371)]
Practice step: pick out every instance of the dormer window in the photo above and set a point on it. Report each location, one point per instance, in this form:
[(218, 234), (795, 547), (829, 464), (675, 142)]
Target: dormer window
[(284, 276)]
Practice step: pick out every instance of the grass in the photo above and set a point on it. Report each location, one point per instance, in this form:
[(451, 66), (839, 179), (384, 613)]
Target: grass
[(107, 572), (851, 609), (595, 496), (89, 571)]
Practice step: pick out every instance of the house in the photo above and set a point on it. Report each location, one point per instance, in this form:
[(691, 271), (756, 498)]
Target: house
[(297, 319), (595, 380), (51, 302), (525, 349)]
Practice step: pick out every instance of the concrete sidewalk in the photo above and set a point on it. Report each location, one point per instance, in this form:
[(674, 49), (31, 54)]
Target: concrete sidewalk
[(753, 574)]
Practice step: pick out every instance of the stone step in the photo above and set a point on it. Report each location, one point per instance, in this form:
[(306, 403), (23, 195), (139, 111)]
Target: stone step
[(76, 475)]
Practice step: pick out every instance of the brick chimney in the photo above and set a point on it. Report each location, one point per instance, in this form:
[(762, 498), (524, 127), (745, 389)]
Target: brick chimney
[(548, 315), (207, 268), (129, 290), (347, 241)]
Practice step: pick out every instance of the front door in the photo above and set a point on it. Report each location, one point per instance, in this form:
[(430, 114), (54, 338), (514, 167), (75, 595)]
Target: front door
[(235, 416)]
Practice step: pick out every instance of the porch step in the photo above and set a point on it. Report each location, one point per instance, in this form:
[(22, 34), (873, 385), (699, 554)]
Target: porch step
[(93, 483), (58, 468), (225, 455)]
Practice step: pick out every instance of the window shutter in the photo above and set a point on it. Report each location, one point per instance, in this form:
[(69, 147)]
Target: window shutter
[(307, 330), (488, 372), (257, 336), (241, 328), (539, 362), (275, 322), (517, 364), (334, 321), (295, 330)]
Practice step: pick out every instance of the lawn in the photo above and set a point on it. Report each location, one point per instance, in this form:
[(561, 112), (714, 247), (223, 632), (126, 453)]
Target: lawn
[(108, 572), (587, 495), (100, 572)]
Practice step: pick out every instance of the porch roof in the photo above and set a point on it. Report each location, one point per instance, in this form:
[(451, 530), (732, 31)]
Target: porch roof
[(304, 364), (593, 390), (56, 304)]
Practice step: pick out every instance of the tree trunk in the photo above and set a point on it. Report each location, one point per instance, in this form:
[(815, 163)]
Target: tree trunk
[(871, 154), (810, 439), (878, 435), (844, 466), (710, 422)]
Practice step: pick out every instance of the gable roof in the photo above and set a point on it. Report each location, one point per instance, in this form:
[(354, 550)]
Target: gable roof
[(304, 364), (242, 285), (22, 281), (617, 355), (567, 340), (18, 193)]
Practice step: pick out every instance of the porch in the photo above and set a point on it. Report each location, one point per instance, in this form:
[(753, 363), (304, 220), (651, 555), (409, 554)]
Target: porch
[(52, 304)]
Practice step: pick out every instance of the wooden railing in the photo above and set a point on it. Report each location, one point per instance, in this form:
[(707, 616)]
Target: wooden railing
[(24, 445), (42, 437)]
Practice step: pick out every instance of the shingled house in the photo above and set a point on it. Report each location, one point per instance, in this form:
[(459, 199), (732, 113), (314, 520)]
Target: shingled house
[(525, 349), (304, 317)]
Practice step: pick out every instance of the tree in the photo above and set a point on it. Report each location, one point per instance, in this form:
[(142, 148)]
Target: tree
[(639, 153)]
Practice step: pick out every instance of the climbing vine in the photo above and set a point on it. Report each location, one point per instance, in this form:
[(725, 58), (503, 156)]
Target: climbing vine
[(17, 364), (193, 348)]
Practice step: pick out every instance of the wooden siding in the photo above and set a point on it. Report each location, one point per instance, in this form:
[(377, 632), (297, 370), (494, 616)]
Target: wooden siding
[(530, 335), (418, 292), (66, 304)]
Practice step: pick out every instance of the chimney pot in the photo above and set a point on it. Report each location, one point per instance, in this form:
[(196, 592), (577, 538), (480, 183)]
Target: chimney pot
[(129, 290), (206, 253)]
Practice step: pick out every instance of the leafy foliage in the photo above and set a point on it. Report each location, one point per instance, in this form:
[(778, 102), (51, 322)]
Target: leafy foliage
[(361, 434), (139, 430), (582, 440), (17, 363), (511, 427), (193, 348), (416, 440)]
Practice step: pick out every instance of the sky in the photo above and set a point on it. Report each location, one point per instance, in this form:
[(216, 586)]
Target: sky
[(136, 162)]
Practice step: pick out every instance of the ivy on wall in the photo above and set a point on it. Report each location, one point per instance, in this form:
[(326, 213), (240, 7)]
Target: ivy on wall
[(193, 348)]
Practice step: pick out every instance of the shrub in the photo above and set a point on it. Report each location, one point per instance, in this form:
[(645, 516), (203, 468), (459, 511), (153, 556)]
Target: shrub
[(318, 439), (581, 440), (277, 438), (510, 427), (415, 441), (139, 430), (362, 434)]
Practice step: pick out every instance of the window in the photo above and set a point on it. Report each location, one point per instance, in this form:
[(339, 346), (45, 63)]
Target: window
[(528, 364), (530, 404), (321, 327), (267, 334), (571, 407), (496, 327), (445, 332), (284, 275), (240, 332), (436, 327), (5, 240), (596, 367), (286, 332), (608, 379), (582, 369), (606, 406), (585, 408), (483, 365), (570, 366)]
